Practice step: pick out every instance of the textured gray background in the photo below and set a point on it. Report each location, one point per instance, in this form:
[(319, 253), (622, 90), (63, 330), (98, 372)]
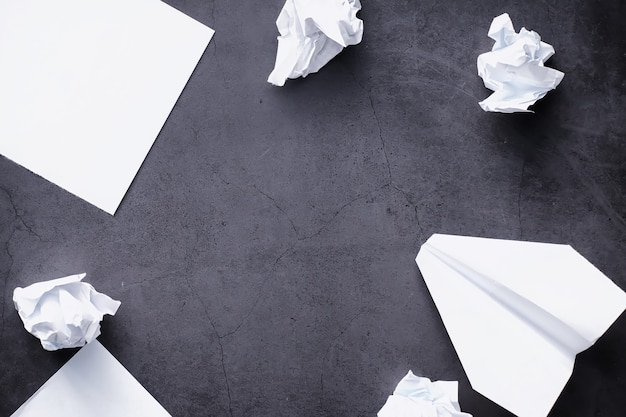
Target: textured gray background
[(264, 255)]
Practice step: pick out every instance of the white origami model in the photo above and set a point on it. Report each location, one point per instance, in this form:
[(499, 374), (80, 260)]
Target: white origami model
[(514, 69), (63, 312), (92, 384), (312, 32), (419, 397), (518, 313)]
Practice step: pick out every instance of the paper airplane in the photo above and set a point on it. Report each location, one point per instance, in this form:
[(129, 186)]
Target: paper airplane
[(91, 384), (518, 313)]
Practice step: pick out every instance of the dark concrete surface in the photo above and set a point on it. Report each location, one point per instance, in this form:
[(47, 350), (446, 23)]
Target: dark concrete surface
[(264, 255)]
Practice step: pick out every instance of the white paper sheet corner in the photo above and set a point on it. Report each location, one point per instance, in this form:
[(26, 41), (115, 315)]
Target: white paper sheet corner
[(87, 86), (63, 312), (91, 384), (419, 397), (514, 69), (503, 305), (312, 32)]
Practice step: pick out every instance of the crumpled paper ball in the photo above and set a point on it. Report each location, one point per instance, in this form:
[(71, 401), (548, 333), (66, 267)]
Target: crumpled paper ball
[(514, 69), (312, 32), (419, 397), (63, 312)]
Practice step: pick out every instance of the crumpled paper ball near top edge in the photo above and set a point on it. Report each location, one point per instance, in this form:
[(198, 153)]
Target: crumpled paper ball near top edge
[(63, 312), (514, 68), (312, 32), (417, 396)]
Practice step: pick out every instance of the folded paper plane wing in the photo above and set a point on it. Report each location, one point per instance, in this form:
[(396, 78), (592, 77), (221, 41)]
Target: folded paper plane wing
[(518, 313)]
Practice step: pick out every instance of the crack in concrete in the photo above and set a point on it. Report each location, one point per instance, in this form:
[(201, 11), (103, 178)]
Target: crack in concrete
[(219, 341), (348, 204), (326, 223), (549, 8), (281, 255), (214, 42), (430, 81), (390, 182), (519, 198), (598, 196), (213, 10), (219, 177), (368, 92), (194, 130), (292, 247), (299, 236), (6, 281), (417, 220), (332, 343), (17, 215), (408, 199), (389, 174), (258, 297), (380, 135), (217, 60), (18, 223), (144, 281), (293, 226)]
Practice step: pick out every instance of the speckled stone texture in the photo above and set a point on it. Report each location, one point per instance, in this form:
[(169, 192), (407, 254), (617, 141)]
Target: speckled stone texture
[(264, 254)]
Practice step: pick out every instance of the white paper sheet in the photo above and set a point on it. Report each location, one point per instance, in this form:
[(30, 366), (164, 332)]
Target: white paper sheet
[(419, 397), (91, 384), (518, 313), (63, 312), (514, 69), (86, 86), (312, 32)]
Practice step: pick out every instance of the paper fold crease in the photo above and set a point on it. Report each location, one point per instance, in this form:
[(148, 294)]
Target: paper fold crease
[(518, 313)]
